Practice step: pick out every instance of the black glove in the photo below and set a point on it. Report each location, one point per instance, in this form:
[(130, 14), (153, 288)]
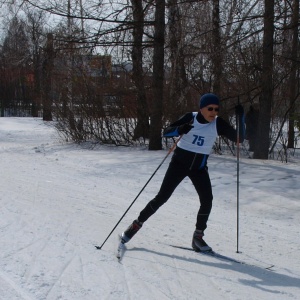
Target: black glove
[(239, 110), (184, 129)]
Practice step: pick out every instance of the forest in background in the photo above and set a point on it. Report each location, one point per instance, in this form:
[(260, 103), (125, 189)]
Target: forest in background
[(118, 72)]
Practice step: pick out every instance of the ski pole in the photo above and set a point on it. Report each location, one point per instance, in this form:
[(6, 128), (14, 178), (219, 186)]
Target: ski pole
[(169, 152), (238, 175)]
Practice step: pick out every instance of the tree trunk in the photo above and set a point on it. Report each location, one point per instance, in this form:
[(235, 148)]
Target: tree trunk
[(37, 84), (178, 87), (47, 78), (293, 75), (217, 49), (261, 150), (142, 128), (155, 141)]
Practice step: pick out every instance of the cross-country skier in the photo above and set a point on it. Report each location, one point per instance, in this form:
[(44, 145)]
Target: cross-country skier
[(199, 131)]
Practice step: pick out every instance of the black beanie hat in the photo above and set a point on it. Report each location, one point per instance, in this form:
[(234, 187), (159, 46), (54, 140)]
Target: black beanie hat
[(208, 99)]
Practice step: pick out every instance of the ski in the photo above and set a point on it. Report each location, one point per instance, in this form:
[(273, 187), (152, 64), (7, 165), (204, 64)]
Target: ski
[(121, 249), (223, 257)]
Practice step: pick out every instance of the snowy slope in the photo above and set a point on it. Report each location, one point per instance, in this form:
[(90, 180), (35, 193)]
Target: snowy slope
[(60, 200)]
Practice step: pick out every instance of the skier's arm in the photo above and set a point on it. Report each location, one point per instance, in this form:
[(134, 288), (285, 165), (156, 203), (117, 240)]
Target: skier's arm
[(172, 129), (224, 129)]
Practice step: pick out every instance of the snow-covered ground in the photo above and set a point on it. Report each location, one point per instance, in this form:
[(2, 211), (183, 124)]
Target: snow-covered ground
[(60, 200)]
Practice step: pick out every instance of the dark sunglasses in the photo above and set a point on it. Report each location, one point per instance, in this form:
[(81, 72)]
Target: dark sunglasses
[(211, 109)]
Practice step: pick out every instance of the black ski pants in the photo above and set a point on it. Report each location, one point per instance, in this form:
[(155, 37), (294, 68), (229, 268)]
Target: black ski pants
[(176, 172)]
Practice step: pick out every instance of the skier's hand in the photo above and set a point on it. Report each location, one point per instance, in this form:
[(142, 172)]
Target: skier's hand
[(184, 129), (239, 110)]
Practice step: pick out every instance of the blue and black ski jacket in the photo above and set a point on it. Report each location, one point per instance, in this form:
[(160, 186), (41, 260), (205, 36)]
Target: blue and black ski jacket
[(198, 161)]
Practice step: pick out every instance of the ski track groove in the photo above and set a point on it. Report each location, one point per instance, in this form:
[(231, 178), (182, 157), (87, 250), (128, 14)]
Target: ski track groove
[(161, 271), (26, 247), (210, 278), (147, 278), (194, 264), (128, 288), (34, 258), (177, 262), (82, 277), (222, 293), (60, 276), (112, 281), (16, 287), (181, 276), (134, 275)]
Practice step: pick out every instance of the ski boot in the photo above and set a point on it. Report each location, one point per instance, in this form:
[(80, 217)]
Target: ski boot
[(131, 231), (198, 243)]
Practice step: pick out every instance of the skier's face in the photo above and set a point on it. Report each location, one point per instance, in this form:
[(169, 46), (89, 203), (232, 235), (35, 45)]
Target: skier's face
[(210, 112)]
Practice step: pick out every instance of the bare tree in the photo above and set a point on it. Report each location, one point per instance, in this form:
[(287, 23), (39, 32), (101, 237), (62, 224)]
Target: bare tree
[(217, 48), (16, 59), (48, 64), (266, 98), (293, 75), (155, 142), (142, 128), (178, 87), (36, 33), (229, 47)]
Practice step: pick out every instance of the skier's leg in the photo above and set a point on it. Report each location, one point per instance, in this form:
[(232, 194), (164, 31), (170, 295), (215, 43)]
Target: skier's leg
[(202, 185), (173, 177)]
